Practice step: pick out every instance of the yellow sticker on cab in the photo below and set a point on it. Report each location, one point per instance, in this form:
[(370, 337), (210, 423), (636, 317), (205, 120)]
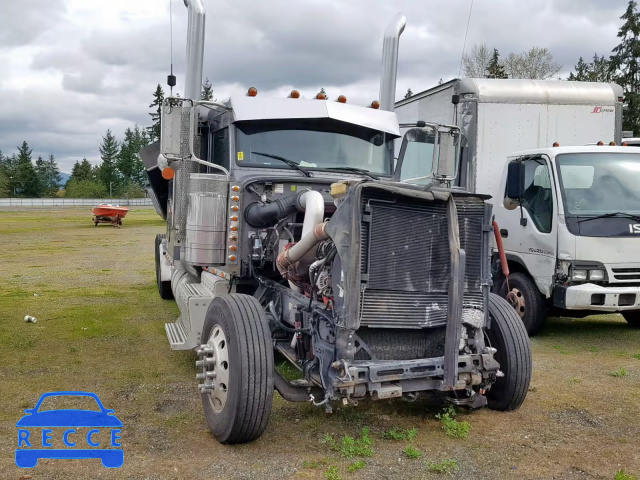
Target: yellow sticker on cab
[(240, 155)]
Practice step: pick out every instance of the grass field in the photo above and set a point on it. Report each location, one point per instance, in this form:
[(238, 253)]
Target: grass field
[(100, 328)]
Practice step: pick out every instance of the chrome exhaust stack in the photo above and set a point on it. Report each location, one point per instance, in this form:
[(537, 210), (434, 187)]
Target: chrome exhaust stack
[(195, 49), (390, 62)]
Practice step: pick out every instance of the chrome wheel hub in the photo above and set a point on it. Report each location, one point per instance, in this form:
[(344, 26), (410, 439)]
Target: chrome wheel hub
[(213, 366)]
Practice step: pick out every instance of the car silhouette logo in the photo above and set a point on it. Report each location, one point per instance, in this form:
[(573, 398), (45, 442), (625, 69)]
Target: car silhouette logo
[(83, 433)]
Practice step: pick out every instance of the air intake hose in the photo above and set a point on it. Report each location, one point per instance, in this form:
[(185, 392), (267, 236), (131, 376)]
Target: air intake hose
[(261, 215)]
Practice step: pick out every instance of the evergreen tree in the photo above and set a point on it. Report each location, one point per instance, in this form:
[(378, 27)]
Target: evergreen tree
[(624, 62), (26, 179), (82, 171), (53, 178), (581, 72), (495, 69), (4, 184), (409, 93), (597, 71), (108, 171), (207, 91), (9, 169), (4, 177), (129, 163), (41, 173), (158, 98)]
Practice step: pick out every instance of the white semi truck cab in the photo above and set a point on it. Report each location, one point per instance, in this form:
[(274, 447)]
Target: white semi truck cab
[(569, 221)]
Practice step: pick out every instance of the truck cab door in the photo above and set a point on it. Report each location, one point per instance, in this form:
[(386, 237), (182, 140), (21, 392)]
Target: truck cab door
[(531, 227)]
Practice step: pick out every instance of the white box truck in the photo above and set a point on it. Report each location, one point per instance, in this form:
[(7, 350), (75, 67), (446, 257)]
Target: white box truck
[(568, 215)]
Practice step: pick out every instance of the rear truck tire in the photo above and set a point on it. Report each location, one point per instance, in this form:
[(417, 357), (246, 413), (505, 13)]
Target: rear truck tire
[(507, 334), (164, 287), (237, 400), (525, 298), (632, 317)]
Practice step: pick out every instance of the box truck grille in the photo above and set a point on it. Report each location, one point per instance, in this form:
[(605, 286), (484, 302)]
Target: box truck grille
[(405, 262), (626, 274)]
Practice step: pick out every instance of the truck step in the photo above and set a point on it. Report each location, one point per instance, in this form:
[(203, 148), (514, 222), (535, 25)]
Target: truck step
[(176, 336)]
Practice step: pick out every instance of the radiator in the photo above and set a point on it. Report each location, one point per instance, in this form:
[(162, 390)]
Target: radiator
[(405, 262)]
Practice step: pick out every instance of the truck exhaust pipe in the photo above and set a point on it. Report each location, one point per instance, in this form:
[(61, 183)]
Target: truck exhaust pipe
[(390, 62), (195, 49)]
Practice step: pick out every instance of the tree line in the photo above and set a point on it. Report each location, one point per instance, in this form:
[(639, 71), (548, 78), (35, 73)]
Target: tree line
[(120, 172)]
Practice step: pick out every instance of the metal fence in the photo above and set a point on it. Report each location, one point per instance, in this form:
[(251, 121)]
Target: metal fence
[(70, 202)]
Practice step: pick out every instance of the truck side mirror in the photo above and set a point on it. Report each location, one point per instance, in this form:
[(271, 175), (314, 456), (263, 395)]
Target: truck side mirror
[(176, 121), (515, 185)]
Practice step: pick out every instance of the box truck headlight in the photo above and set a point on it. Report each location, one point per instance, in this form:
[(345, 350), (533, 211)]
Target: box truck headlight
[(596, 275), (579, 275)]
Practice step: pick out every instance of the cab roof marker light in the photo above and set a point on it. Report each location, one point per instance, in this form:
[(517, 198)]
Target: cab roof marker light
[(600, 143), (375, 104), (342, 99), (612, 144), (252, 92), (321, 96), (556, 144), (294, 94)]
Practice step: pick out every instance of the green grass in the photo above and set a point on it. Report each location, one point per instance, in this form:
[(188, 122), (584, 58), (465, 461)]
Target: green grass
[(446, 467), (451, 426), (332, 473), (621, 475), (350, 447), (411, 452), (620, 372), (314, 463), (357, 465), (637, 356), (401, 434)]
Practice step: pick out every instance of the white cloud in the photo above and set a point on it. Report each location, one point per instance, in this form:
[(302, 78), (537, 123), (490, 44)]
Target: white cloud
[(72, 69)]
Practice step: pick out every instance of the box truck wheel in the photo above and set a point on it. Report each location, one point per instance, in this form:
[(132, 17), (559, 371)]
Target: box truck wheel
[(164, 288), (632, 317), (237, 356), (524, 296), (509, 337)]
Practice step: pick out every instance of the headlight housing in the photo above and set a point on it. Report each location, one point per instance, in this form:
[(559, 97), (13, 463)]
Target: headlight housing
[(579, 274), (596, 275), (587, 271)]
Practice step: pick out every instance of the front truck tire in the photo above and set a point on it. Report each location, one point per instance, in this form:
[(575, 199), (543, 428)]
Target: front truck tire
[(164, 288), (632, 317), (236, 332), (507, 334), (525, 298)]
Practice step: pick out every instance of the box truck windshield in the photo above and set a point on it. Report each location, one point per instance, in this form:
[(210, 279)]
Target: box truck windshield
[(595, 184)]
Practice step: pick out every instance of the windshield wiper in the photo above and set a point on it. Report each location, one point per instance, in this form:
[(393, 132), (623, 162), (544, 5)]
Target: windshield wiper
[(291, 163), (612, 214), (355, 170)]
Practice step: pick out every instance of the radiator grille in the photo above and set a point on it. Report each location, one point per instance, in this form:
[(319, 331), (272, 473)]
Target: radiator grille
[(626, 273), (405, 262)]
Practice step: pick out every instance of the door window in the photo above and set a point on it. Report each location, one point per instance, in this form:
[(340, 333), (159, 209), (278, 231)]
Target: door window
[(537, 198), (220, 150)]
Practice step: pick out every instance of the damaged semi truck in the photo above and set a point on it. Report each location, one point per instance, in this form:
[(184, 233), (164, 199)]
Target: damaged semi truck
[(290, 235)]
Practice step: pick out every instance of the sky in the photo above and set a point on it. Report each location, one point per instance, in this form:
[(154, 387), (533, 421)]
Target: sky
[(71, 69)]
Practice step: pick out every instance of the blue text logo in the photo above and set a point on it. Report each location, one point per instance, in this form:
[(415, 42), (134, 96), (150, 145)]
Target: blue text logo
[(76, 433)]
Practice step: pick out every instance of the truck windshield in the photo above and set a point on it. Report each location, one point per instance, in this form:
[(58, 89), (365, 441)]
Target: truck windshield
[(314, 144), (599, 183)]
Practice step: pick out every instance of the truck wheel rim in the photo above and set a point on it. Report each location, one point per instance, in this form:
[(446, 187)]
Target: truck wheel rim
[(516, 299), (216, 369)]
